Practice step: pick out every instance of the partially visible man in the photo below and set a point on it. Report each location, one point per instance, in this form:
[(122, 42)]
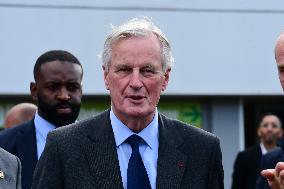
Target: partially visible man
[(10, 171), (271, 177), (279, 57), (247, 164), (58, 91), (18, 114), (132, 145)]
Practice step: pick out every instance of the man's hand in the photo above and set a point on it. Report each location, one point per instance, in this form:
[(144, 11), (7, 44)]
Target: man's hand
[(275, 177)]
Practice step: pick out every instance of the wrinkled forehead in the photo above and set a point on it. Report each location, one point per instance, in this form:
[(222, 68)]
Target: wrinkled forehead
[(137, 49)]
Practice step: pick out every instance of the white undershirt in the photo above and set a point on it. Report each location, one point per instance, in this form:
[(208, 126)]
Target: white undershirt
[(263, 149)]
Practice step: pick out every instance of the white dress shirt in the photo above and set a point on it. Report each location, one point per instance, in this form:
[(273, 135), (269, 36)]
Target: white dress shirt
[(263, 149), (42, 128)]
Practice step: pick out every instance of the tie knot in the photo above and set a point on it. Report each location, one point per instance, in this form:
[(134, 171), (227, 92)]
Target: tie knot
[(134, 141)]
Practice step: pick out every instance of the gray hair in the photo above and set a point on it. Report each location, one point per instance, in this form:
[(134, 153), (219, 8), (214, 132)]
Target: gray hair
[(137, 27)]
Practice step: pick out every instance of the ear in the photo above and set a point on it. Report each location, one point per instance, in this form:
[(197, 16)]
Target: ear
[(81, 89), (280, 133), (258, 131), (106, 77), (166, 79), (33, 90)]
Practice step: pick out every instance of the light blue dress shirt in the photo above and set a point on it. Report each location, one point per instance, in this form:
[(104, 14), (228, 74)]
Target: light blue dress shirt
[(42, 128), (148, 150)]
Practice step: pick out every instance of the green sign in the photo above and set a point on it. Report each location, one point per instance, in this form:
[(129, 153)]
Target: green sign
[(183, 110), (186, 111)]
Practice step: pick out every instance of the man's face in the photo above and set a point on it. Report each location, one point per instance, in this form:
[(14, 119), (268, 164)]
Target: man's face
[(280, 66), (279, 57), (135, 78), (270, 129), (58, 92)]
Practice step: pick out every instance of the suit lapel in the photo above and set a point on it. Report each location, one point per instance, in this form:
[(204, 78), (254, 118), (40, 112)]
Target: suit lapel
[(258, 154), (101, 154), (27, 152), (171, 162)]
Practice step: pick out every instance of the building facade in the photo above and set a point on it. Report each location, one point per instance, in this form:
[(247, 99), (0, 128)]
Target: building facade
[(223, 78)]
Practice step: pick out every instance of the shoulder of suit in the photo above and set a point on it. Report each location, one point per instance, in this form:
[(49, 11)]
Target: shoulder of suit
[(9, 163), (82, 126), (251, 149), (185, 129), (8, 134), (270, 159), (5, 155), (274, 154), (247, 153)]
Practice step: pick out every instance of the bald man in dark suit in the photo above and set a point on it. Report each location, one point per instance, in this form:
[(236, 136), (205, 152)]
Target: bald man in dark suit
[(273, 163)]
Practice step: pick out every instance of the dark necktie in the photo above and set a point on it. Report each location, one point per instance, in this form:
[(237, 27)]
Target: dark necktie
[(137, 177)]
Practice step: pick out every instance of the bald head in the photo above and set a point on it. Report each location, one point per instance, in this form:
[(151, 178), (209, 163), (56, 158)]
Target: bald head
[(19, 114), (279, 57)]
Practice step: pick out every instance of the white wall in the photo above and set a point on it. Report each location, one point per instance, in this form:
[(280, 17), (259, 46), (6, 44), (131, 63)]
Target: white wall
[(220, 47), (227, 123)]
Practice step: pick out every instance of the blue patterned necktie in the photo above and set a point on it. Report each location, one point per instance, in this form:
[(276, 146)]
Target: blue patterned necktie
[(137, 177)]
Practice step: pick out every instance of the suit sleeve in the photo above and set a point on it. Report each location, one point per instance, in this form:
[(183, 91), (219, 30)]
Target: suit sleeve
[(48, 172), (239, 176), (18, 176), (216, 172)]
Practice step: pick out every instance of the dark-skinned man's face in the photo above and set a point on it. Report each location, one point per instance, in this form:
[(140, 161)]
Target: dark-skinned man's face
[(58, 92)]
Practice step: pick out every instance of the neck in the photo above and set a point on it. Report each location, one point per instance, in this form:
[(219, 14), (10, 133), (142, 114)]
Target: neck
[(269, 145), (137, 123)]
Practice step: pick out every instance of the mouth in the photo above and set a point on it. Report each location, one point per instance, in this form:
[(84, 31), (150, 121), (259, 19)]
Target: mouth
[(64, 109), (136, 98)]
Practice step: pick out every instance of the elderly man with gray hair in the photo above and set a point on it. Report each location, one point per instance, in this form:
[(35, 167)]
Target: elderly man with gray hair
[(132, 145)]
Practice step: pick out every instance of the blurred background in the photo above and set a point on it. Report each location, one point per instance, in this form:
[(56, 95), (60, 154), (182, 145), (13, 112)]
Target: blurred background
[(224, 76)]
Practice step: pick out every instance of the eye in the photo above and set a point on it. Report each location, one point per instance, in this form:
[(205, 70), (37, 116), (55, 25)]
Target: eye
[(124, 70), (53, 86), (73, 86), (275, 126), (148, 71)]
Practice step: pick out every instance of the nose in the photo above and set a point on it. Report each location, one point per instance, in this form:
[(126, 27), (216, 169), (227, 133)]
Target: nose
[(269, 128), (63, 94), (136, 80)]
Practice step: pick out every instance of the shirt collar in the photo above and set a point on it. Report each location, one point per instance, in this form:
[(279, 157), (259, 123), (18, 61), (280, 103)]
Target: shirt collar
[(42, 126), (263, 149), (122, 132)]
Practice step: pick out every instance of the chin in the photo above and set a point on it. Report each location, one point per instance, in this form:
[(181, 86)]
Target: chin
[(137, 112)]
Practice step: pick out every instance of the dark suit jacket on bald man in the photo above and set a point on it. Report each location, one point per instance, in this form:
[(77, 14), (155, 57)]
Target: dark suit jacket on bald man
[(84, 155)]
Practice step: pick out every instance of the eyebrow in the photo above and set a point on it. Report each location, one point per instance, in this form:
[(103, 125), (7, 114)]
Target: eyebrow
[(121, 65)]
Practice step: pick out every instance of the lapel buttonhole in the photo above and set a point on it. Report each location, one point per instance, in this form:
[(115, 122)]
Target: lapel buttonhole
[(1, 174), (181, 165)]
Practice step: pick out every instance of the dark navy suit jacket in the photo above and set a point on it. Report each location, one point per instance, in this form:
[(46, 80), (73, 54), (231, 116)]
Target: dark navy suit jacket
[(21, 141), (247, 168), (269, 161)]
